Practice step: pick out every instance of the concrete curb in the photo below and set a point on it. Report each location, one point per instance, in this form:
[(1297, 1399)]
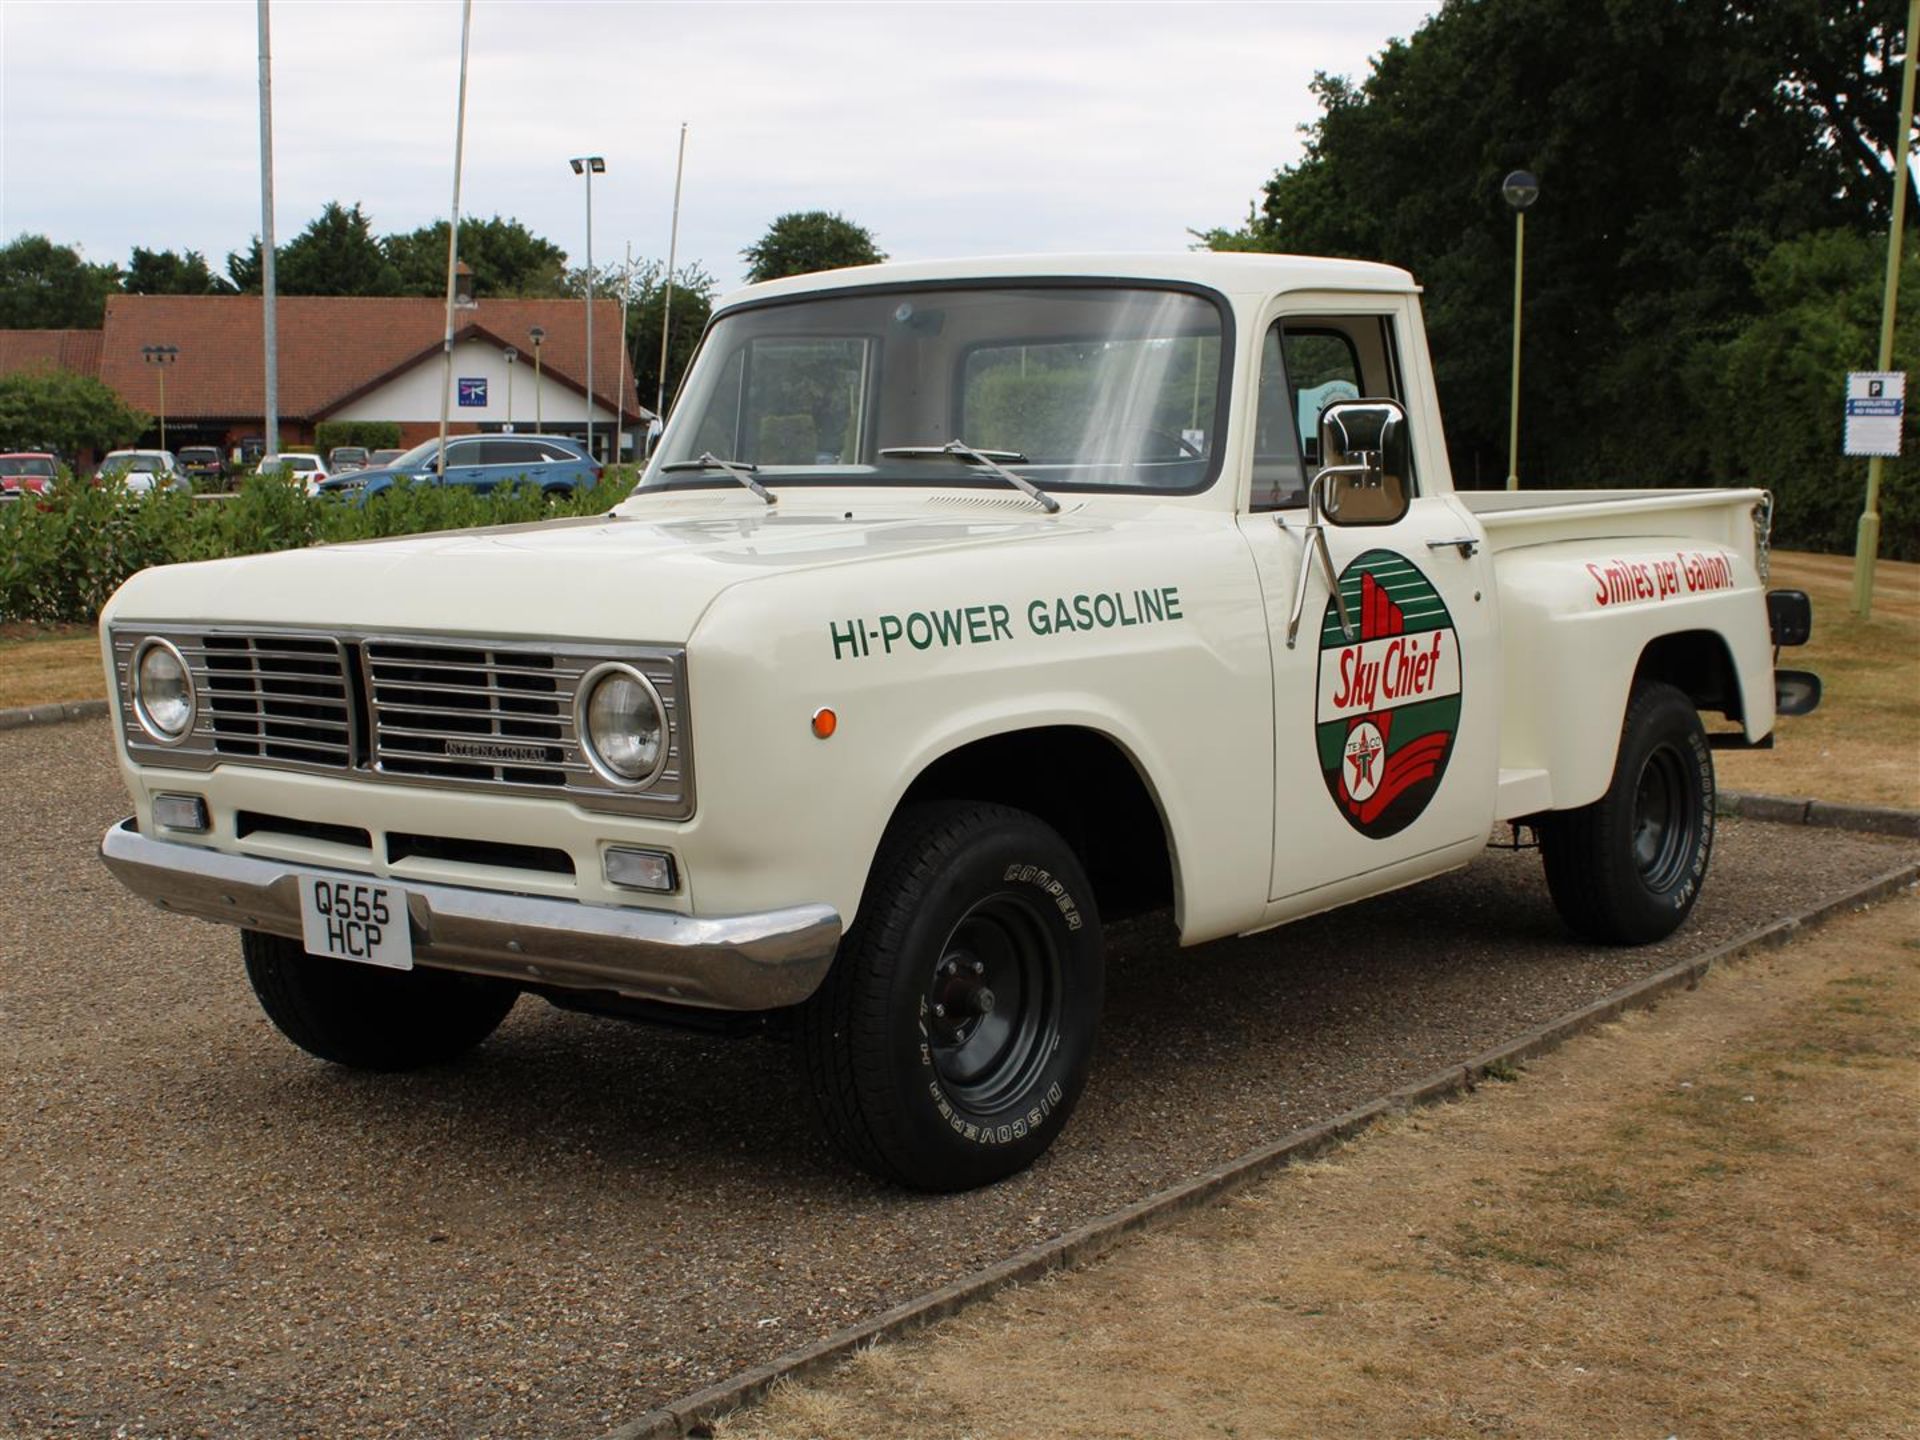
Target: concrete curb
[(16, 719), (1785, 810), (693, 1414)]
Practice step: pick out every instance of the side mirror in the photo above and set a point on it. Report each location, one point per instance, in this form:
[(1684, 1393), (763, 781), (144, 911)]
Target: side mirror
[(1365, 449)]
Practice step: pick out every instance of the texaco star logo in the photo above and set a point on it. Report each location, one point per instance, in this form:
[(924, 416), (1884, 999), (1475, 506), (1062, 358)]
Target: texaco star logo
[(1363, 748)]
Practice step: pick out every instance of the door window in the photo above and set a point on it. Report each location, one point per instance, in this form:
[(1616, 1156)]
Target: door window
[(1307, 364)]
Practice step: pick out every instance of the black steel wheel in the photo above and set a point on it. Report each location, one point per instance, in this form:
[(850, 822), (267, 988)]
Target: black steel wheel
[(366, 1017), (1627, 869), (952, 1038)]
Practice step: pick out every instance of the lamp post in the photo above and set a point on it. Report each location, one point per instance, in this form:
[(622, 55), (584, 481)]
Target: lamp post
[(589, 166), (1521, 189), (163, 356), (537, 335), (511, 356)]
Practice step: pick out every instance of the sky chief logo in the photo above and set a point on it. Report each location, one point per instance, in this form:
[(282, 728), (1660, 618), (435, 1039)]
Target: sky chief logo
[(1389, 699)]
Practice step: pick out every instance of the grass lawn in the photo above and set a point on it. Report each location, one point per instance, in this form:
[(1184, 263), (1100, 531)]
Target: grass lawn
[(40, 664), (1861, 744)]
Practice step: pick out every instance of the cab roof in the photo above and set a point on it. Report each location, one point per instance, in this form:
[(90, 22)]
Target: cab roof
[(1232, 273)]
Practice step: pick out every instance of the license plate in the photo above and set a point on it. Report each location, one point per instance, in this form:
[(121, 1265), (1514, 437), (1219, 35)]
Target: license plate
[(356, 920)]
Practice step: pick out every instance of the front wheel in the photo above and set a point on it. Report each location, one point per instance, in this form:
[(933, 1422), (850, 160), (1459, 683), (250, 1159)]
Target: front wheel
[(952, 1038), (367, 1017), (1627, 869)]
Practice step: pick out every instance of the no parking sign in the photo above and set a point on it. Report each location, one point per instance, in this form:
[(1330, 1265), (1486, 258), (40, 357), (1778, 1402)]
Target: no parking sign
[(1876, 404)]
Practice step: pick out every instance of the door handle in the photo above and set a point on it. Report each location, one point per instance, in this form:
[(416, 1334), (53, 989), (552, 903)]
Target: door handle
[(1465, 544)]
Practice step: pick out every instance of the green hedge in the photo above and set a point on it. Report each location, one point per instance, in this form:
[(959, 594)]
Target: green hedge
[(62, 558), (369, 434)]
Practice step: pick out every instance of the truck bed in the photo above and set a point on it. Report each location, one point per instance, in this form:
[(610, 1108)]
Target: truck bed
[(1518, 518)]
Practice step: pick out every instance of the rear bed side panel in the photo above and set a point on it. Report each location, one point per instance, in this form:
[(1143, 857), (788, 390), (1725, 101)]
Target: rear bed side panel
[(1578, 618)]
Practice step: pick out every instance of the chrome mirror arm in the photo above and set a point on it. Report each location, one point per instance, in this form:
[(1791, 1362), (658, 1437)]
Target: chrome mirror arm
[(1314, 544)]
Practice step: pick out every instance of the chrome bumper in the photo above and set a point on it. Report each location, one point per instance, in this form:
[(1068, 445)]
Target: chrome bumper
[(736, 962)]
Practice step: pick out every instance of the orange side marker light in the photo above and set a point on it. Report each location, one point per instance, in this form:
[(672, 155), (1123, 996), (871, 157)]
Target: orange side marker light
[(825, 722)]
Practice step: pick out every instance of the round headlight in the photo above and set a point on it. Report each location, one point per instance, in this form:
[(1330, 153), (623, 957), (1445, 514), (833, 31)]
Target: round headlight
[(623, 724), (162, 692)]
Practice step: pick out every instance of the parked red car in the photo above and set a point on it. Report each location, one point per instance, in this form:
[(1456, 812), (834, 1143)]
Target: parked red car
[(32, 471)]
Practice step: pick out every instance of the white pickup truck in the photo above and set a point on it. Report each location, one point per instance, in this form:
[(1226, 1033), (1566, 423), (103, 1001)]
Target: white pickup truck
[(963, 605)]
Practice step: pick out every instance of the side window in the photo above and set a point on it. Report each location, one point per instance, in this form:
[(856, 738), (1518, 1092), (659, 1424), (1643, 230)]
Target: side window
[(1322, 368), (1307, 364), (1279, 477), (464, 452), (510, 452)]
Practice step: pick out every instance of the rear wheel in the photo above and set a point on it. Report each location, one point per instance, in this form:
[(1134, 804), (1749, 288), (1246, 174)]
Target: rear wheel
[(1627, 869), (367, 1017), (952, 1038)]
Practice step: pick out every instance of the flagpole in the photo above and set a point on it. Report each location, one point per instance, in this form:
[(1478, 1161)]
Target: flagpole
[(271, 426), (453, 228), (620, 394), (673, 250)]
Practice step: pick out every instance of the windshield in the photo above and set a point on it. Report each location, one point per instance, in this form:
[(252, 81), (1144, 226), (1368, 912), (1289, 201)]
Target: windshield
[(42, 468), (1077, 387), (417, 457)]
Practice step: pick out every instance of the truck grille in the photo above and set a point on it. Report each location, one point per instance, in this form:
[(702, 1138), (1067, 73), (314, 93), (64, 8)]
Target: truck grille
[(475, 714), (483, 715), (275, 697)]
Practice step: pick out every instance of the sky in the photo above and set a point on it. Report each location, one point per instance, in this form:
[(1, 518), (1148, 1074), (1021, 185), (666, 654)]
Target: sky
[(945, 129)]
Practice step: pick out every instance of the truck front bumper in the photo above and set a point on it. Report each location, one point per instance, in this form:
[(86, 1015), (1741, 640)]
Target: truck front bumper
[(737, 962)]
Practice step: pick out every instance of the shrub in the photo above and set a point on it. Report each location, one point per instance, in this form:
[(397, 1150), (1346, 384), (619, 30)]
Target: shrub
[(371, 434), (62, 558)]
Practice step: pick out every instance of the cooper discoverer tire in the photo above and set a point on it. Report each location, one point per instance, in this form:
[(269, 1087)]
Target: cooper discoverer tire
[(1627, 869), (367, 1017), (951, 1039)]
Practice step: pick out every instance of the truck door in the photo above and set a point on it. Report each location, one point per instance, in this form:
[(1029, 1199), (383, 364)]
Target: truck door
[(1385, 738)]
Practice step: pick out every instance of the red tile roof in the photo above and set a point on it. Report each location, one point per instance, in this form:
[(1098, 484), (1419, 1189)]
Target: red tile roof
[(332, 348), (75, 350)]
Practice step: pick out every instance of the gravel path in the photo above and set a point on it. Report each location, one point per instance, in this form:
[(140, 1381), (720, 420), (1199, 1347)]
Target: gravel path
[(206, 1233)]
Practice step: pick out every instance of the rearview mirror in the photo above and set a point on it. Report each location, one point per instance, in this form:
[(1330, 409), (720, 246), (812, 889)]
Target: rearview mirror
[(1365, 449)]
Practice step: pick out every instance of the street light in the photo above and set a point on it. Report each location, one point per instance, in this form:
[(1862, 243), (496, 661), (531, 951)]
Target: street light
[(512, 355), (163, 356), (539, 417), (1521, 189), (589, 166)]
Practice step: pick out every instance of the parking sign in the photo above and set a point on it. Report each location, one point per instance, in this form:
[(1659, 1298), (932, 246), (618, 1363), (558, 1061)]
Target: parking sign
[(1876, 405)]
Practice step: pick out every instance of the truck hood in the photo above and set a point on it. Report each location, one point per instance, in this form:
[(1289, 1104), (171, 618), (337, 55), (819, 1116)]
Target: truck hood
[(631, 577)]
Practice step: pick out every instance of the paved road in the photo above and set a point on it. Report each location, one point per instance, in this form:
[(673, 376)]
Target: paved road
[(205, 1232)]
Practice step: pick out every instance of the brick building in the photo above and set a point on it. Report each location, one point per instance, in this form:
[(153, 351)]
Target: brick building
[(347, 358)]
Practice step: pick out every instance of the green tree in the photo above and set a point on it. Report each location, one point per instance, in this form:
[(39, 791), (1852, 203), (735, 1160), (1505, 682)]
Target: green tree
[(808, 240), (693, 293), (1676, 145), (64, 412), (44, 286), (505, 256), (336, 254), (1771, 394), (244, 269), (162, 272)]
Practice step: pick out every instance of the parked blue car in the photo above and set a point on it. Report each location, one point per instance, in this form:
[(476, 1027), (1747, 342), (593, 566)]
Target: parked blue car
[(558, 465)]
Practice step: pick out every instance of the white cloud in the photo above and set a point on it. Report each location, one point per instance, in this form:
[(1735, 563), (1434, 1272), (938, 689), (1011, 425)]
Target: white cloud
[(944, 128)]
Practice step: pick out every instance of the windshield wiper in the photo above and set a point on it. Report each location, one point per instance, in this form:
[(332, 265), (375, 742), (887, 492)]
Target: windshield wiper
[(986, 459), (741, 470)]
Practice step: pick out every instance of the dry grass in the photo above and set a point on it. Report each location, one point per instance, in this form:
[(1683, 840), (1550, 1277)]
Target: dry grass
[(40, 664), (1698, 1222), (1861, 744)]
